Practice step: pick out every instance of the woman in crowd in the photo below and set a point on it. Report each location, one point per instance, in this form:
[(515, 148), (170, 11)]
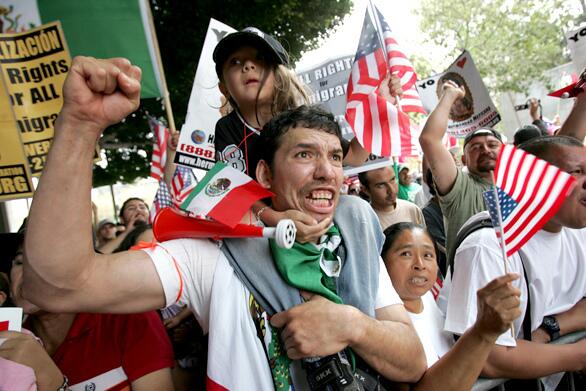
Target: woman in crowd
[(409, 254)]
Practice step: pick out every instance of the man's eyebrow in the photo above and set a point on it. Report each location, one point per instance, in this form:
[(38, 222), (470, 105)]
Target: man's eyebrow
[(315, 146)]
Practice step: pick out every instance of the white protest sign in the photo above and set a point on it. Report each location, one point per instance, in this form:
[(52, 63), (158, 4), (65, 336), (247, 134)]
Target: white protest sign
[(10, 319), (328, 82), (475, 110), (196, 141), (577, 45)]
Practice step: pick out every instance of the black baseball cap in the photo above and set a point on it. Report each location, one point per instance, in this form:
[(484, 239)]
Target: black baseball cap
[(482, 132), (250, 36)]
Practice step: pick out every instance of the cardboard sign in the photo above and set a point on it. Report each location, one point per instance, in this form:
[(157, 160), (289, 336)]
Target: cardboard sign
[(15, 176), (577, 45), (34, 65), (196, 141), (475, 110)]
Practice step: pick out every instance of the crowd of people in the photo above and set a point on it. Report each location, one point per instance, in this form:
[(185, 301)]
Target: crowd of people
[(351, 306)]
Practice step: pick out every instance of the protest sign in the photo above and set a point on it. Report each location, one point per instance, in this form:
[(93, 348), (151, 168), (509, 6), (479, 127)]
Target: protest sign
[(475, 110), (328, 82), (94, 28), (15, 176), (577, 45), (196, 142), (34, 65)]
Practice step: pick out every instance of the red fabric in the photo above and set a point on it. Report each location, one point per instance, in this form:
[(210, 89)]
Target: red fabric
[(98, 343)]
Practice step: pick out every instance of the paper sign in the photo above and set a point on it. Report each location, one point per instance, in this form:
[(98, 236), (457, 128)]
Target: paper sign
[(10, 319), (475, 110), (196, 141), (576, 40), (34, 65), (15, 177)]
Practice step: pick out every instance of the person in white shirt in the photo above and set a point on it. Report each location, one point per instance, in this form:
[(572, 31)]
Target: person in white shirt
[(305, 173), (409, 254), (554, 261)]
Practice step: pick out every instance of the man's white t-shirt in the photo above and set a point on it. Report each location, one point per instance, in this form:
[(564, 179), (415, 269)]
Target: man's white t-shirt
[(555, 266), (195, 272)]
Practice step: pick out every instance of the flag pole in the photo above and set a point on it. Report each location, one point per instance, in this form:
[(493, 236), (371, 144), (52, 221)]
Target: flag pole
[(379, 33), (500, 221), (502, 235), (166, 98)]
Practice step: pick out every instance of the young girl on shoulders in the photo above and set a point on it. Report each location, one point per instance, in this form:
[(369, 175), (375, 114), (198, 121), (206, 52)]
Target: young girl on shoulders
[(255, 80)]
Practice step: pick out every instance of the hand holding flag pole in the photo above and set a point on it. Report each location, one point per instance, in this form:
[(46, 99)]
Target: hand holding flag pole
[(526, 193), (224, 195), (501, 236)]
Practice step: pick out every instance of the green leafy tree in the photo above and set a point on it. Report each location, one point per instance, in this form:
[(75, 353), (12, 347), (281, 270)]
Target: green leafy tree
[(512, 42), (181, 26)]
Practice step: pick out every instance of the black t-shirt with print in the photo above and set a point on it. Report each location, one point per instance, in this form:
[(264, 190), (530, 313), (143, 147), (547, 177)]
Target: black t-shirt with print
[(236, 144)]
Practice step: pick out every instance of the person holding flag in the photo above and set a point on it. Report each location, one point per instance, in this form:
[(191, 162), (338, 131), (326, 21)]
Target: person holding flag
[(460, 194), (256, 81), (547, 233), (260, 327)]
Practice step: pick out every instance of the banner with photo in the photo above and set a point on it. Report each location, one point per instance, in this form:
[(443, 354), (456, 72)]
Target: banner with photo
[(328, 82), (475, 110), (196, 141), (15, 176), (576, 40), (34, 65)]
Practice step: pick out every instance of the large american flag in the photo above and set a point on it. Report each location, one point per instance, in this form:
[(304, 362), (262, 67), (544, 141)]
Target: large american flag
[(381, 127), (530, 192), (160, 137)]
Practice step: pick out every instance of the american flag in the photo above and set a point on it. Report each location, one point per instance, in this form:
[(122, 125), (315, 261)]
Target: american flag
[(530, 192), (380, 126), (183, 182), (161, 136)]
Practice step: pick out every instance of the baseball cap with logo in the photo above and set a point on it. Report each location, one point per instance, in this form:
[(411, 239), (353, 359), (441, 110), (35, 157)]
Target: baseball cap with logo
[(250, 36), (482, 132)]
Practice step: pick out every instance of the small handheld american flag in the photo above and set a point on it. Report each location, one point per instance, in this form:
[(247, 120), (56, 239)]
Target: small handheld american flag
[(529, 191)]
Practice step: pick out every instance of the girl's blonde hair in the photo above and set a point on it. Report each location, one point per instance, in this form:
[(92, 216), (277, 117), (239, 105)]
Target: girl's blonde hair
[(289, 92)]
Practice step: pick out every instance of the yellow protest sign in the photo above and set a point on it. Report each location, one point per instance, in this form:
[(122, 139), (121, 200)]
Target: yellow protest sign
[(15, 177), (34, 65)]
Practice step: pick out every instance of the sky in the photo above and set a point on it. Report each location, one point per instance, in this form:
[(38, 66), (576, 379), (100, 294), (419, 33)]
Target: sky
[(402, 20)]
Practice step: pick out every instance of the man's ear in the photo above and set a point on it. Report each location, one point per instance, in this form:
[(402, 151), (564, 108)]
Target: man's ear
[(3, 297), (463, 158), (263, 174)]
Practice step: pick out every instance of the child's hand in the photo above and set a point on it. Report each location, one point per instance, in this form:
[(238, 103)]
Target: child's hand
[(308, 229), (173, 141)]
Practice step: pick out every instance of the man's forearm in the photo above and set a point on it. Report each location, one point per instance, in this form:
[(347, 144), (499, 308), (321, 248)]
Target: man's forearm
[(392, 348), (575, 125), (437, 122), (531, 360), (58, 240), (574, 319)]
